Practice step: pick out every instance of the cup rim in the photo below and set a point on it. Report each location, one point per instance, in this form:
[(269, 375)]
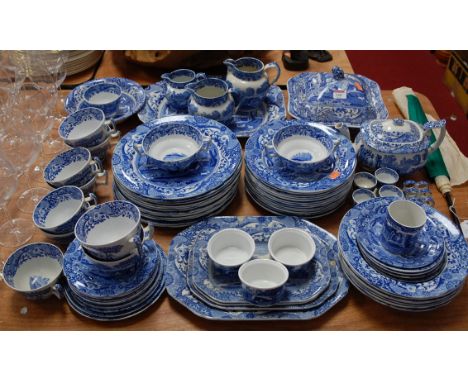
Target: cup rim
[(50, 283), (65, 222), (262, 65), (410, 203), (82, 111), (299, 231), (115, 86), (178, 72), (275, 263), (245, 234), (53, 181), (205, 82)]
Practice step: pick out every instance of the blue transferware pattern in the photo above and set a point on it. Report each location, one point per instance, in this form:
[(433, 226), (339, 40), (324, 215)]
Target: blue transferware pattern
[(251, 85), (297, 291), (178, 289), (221, 161), (177, 95), (391, 190), (38, 281), (450, 279), (386, 176), (132, 99), (243, 123), (335, 97), (82, 280), (109, 107), (260, 160), (52, 200), (362, 194)]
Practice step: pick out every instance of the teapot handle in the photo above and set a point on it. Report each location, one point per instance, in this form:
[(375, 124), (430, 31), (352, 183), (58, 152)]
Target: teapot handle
[(273, 65), (428, 126)]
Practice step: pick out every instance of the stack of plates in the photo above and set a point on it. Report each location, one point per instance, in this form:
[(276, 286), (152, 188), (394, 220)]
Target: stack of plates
[(178, 199), (113, 296), (426, 280), (80, 60), (190, 282), (282, 192)]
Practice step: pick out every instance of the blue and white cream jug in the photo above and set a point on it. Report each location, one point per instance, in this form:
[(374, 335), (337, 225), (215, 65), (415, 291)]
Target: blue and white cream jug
[(248, 76), (177, 94)]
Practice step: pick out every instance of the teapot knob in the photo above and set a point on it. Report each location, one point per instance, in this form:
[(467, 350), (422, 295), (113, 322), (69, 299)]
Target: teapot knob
[(338, 73), (398, 122)]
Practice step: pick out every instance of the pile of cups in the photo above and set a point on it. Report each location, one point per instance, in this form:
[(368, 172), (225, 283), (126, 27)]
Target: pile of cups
[(382, 183)]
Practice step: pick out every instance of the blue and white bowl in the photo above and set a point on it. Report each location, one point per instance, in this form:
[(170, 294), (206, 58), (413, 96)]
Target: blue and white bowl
[(263, 281), (304, 149), (105, 96), (74, 167), (365, 180), (390, 190), (60, 209), (34, 269), (386, 176), (361, 195), (110, 231), (173, 146), (176, 81), (86, 128)]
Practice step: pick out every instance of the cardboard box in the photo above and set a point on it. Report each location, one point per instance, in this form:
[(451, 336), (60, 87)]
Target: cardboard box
[(456, 77)]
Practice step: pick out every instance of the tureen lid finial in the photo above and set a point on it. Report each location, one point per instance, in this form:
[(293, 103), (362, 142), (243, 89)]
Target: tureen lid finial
[(338, 73)]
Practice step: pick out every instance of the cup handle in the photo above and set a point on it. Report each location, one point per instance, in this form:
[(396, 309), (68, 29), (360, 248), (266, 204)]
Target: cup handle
[(428, 126), (273, 65), (206, 143), (148, 232), (138, 147), (91, 200), (139, 244), (200, 76), (102, 175), (57, 291), (112, 131)]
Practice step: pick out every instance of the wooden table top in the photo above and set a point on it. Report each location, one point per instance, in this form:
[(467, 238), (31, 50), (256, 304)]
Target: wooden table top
[(355, 312)]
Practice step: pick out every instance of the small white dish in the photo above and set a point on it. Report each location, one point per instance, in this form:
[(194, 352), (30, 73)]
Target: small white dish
[(362, 195), (365, 180), (390, 190), (230, 248), (385, 175)]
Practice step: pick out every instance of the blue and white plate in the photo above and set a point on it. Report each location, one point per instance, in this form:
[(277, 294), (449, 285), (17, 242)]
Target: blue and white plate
[(298, 291), (133, 97), (304, 89), (396, 293), (244, 123), (183, 243)]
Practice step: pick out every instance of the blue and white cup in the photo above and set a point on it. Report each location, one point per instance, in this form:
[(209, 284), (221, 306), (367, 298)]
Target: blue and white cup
[(263, 281), (87, 128), (58, 211), (304, 149), (176, 93), (74, 167), (111, 231), (104, 96), (33, 270), (386, 176), (173, 146), (403, 225), (228, 249)]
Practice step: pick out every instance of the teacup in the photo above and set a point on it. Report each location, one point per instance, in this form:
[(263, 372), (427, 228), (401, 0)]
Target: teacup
[(34, 269), (176, 93), (173, 146), (263, 281), (63, 238), (403, 224), (87, 128), (292, 247), (228, 249), (365, 180), (362, 195), (100, 150), (304, 149), (111, 231), (386, 176), (104, 96), (390, 190), (74, 167), (60, 209)]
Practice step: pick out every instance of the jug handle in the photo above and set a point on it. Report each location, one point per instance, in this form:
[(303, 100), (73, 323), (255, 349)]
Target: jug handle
[(238, 99), (273, 65), (428, 126)]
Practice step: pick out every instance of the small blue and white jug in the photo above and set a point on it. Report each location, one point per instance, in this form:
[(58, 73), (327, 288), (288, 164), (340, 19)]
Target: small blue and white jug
[(176, 93)]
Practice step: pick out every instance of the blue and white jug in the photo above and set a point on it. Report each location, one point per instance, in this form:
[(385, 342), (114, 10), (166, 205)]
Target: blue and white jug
[(176, 82)]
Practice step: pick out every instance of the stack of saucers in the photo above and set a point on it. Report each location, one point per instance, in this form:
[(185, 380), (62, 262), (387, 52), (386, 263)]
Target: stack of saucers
[(299, 168), (255, 268), (178, 169), (403, 254), (113, 268)]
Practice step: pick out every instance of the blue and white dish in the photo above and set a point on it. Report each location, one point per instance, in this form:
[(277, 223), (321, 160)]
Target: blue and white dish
[(386, 176), (390, 190), (396, 293), (361, 195), (182, 244), (176, 82), (132, 99), (33, 270), (243, 123), (58, 211), (335, 97), (74, 167), (365, 180), (104, 96)]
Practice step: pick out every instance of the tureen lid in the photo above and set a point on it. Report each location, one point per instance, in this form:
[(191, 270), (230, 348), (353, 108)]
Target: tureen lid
[(395, 136)]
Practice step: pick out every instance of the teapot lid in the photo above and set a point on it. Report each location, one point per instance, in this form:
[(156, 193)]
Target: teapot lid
[(397, 136)]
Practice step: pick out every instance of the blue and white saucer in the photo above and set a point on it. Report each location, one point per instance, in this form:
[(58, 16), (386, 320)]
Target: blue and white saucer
[(133, 97), (183, 243), (243, 124)]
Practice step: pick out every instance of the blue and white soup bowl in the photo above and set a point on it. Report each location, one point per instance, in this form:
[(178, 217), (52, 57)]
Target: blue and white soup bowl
[(60, 209), (213, 98), (33, 270), (111, 231), (248, 76), (176, 81), (173, 146), (304, 149), (104, 96), (74, 167), (263, 281), (86, 128), (403, 224)]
